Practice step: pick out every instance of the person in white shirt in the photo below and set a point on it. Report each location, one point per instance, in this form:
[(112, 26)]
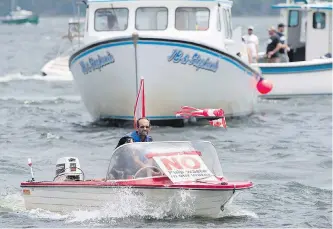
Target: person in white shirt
[(252, 43)]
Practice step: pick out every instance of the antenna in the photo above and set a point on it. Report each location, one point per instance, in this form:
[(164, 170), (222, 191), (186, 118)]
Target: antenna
[(32, 173), (135, 38)]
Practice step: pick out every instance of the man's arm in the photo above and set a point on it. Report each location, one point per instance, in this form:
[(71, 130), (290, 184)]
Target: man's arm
[(277, 48)]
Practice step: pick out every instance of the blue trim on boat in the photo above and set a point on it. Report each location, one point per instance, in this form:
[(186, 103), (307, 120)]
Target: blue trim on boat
[(131, 117), (328, 7), (101, 47), (321, 7), (164, 43), (296, 69), (223, 1), (285, 7)]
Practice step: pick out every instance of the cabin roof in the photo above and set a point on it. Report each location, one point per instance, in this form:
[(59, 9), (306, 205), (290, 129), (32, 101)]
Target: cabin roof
[(304, 5), (221, 1)]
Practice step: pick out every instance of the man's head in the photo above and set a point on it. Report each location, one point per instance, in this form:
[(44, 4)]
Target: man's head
[(250, 30), (281, 27), (143, 126), (271, 31)]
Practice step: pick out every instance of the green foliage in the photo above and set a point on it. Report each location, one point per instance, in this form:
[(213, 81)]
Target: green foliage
[(65, 7)]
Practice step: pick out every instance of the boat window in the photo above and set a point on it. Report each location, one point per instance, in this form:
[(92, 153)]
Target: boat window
[(225, 22), (304, 24), (151, 18), (192, 18), (319, 20), (293, 18), (87, 22), (218, 21), (111, 19), (229, 23)]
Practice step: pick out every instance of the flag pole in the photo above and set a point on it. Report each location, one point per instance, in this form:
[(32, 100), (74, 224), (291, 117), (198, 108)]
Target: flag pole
[(135, 38), (140, 103)]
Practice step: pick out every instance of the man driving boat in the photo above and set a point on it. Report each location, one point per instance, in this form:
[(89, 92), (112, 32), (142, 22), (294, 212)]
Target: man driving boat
[(141, 132)]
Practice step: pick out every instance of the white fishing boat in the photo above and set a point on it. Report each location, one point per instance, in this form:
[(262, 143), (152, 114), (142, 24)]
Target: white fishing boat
[(175, 176), (309, 34), (185, 50), (59, 65), (19, 16)]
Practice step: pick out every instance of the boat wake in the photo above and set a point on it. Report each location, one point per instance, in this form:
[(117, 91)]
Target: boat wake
[(19, 77), (130, 207)]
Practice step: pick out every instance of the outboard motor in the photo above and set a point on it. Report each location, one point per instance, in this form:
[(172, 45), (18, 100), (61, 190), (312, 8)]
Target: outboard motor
[(68, 169)]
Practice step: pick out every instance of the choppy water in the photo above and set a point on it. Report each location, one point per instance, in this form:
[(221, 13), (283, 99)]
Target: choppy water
[(285, 148)]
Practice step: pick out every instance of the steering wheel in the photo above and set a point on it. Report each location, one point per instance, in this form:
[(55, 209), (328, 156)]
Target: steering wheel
[(147, 167)]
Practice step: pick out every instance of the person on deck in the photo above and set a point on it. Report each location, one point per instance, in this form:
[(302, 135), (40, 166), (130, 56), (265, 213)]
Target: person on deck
[(273, 46), (252, 42), (142, 131), (283, 51)]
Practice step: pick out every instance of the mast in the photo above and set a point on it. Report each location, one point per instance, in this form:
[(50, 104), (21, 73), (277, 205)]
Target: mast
[(12, 5)]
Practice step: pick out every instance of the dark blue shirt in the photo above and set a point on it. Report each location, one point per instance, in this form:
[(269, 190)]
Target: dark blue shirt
[(282, 41)]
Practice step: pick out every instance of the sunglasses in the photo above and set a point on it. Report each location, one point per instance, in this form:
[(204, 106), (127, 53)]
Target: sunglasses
[(147, 127)]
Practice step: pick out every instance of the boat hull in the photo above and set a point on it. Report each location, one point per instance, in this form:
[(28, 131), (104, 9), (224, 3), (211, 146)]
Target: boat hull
[(298, 78), (33, 19), (204, 203), (177, 73)]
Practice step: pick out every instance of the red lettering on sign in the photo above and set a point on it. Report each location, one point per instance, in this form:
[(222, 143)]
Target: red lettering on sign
[(185, 162), (171, 162), (190, 163)]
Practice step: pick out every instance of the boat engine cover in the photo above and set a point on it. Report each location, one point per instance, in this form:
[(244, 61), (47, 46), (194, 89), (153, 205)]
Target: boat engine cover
[(68, 169)]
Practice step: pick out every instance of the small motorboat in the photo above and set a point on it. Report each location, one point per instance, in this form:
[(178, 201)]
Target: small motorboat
[(157, 172)]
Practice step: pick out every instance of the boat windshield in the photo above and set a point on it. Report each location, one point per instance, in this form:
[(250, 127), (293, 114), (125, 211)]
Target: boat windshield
[(143, 159)]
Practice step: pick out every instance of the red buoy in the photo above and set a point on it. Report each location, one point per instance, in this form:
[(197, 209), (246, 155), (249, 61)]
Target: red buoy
[(264, 86)]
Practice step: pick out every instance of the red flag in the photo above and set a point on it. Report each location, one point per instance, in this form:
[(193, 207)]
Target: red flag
[(140, 107)]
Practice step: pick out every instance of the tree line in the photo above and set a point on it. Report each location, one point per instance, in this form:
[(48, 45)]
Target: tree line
[(65, 7)]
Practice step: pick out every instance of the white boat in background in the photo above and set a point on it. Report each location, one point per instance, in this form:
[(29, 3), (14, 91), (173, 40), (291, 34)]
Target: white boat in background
[(178, 178), (59, 65), (19, 16), (185, 50), (309, 34)]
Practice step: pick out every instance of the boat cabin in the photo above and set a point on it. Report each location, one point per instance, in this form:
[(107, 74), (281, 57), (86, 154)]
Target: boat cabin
[(204, 21), (308, 28), (180, 161)]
